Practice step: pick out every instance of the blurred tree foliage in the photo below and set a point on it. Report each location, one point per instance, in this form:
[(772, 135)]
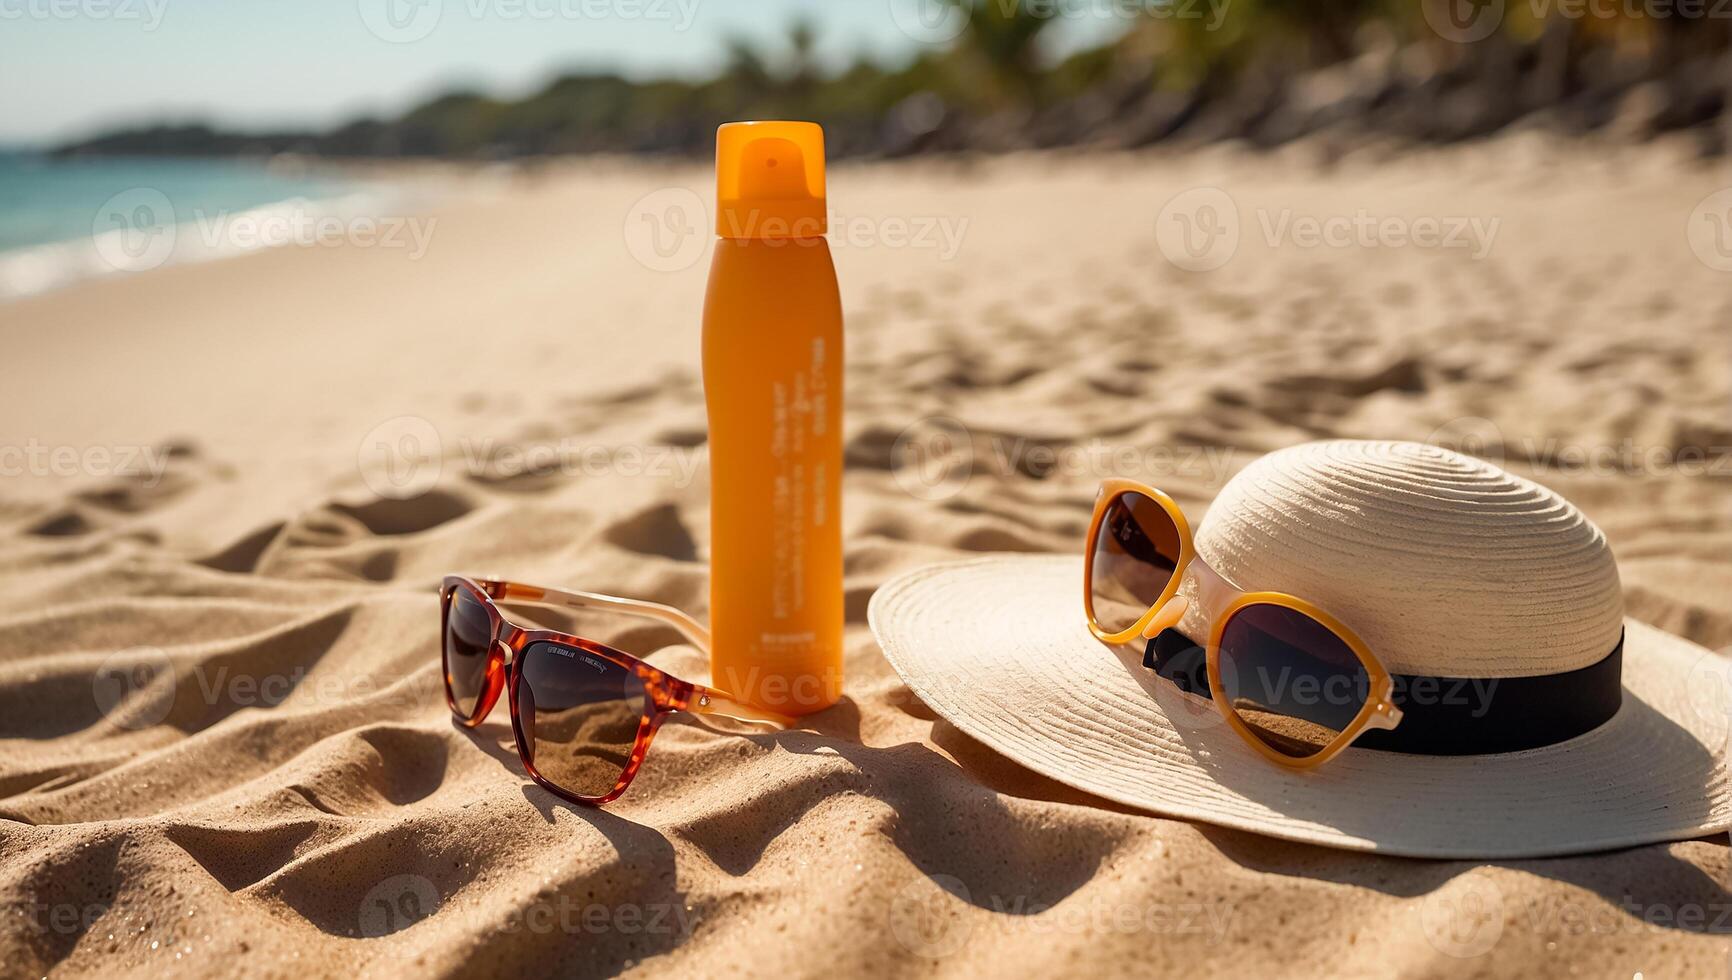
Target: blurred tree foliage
[(1262, 70)]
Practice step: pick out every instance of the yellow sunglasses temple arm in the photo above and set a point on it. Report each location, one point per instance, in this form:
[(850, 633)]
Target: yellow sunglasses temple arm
[(1167, 616)]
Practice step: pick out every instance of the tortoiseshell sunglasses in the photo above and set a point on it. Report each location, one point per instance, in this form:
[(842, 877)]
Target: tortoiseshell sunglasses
[(1294, 681), (583, 713)]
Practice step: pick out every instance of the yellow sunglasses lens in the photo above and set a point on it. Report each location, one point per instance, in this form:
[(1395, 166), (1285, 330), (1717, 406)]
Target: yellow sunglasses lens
[(1131, 560), (1294, 682)]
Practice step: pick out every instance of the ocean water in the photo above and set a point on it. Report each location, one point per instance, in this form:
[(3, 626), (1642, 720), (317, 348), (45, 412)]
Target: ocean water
[(63, 221)]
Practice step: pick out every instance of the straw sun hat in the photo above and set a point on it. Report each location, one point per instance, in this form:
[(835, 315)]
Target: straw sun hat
[(1446, 567)]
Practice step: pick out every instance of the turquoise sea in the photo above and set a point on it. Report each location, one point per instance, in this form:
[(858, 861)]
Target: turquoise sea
[(51, 211)]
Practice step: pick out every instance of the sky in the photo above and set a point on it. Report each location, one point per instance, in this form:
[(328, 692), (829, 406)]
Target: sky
[(70, 68)]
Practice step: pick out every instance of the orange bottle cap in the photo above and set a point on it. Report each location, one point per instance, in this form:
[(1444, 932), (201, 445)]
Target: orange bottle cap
[(770, 180)]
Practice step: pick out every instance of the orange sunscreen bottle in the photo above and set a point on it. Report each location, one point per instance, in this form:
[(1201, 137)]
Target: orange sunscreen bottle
[(773, 387)]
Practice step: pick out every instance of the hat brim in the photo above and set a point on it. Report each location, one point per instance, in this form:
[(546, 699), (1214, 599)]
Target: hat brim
[(999, 648)]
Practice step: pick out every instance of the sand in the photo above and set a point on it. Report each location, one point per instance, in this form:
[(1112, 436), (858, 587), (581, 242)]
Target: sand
[(222, 746)]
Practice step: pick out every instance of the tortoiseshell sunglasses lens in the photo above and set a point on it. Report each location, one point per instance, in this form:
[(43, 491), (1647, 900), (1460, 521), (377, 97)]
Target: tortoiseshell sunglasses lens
[(1293, 681), (468, 637), (1131, 558), (581, 715)]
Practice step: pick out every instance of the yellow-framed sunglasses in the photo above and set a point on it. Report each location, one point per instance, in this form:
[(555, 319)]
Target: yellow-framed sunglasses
[(1295, 682)]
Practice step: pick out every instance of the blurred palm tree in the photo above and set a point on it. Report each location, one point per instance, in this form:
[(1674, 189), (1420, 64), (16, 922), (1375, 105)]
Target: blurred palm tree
[(803, 66), (802, 41), (1248, 56), (1003, 35)]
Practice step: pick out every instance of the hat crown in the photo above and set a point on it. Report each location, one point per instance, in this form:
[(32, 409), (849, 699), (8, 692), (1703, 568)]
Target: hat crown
[(1442, 563)]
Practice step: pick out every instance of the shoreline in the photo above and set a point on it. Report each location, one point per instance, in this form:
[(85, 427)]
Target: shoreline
[(399, 190), (138, 239)]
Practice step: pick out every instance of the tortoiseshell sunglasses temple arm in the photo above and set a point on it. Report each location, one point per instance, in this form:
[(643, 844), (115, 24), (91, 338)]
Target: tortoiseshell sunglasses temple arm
[(709, 701), (537, 595), (702, 700)]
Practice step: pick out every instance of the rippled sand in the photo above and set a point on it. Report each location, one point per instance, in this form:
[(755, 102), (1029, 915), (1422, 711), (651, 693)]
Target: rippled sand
[(220, 727)]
